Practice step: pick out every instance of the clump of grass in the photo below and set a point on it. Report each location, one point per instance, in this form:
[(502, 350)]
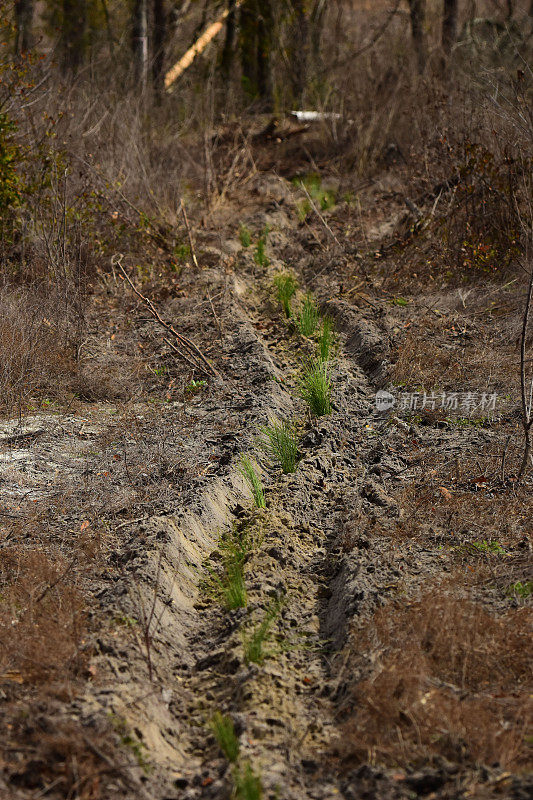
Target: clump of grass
[(222, 727), (247, 784), (230, 586), (308, 317), (286, 286), (253, 481), (254, 643), (260, 256), (315, 387), (325, 340), (279, 440), (245, 237)]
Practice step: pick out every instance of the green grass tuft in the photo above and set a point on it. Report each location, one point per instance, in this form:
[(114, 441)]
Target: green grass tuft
[(308, 317), (286, 286), (230, 586), (247, 470), (247, 784), (315, 387), (245, 236), (325, 341), (279, 441), (254, 643), (222, 727)]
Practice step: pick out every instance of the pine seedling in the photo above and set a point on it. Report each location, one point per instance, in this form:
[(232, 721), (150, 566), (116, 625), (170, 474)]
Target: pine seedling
[(254, 643), (279, 441), (325, 340), (308, 316), (230, 586), (247, 784), (315, 387), (222, 727), (245, 237), (286, 286), (252, 480)]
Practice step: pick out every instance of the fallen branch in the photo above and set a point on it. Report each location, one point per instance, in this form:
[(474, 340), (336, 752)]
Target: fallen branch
[(184, 341), (198, 47)]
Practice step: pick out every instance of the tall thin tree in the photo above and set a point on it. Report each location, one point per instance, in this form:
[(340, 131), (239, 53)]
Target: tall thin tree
[(265, 35), (248, 46), (160, 17), (299, 48), (73, 34), (140, 42), (226, 60), (24, 25), (449, 25), (417, 10)]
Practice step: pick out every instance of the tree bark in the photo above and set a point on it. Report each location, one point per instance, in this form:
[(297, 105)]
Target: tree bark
[(24, 23), (265, 26), (226, 61), (160, 35), (248, 46), (449, 25), (140, 42), (418, 16), (317, 19), (73, 34), (300, 49)]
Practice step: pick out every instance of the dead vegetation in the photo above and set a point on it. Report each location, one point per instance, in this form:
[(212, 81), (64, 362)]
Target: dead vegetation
[(442, 677)]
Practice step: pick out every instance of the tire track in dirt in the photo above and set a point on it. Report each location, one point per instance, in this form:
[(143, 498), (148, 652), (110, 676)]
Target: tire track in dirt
[(284, 709)]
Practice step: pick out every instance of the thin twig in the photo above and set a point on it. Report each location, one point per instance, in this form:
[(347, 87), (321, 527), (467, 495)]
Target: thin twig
[(217, 320), (179, 352), (504, 456), (527, 417), (52, 585), (191, 244), (183, 340), (320, 216)]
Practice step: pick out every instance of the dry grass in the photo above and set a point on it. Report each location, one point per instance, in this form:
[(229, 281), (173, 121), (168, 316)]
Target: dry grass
[(39, 605), (444, 678), (456, 516), (34, 355)]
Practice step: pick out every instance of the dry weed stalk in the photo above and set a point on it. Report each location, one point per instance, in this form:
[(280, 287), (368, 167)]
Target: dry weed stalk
[(527, 410)]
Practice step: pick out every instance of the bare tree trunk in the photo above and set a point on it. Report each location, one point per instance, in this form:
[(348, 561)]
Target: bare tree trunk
[(299, 49), (418, 18), (449, 25), (265, 25), (24, 22), (248, 46), (160, 35), (226, 61), (140, 42), (73, 34)]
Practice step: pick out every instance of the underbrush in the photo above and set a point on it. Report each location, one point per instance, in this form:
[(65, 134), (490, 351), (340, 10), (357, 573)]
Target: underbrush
[(40, 604), (444, 679), (459, 516)]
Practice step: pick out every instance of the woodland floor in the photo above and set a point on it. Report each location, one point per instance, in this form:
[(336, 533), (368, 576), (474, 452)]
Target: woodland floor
[(398, 664)]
